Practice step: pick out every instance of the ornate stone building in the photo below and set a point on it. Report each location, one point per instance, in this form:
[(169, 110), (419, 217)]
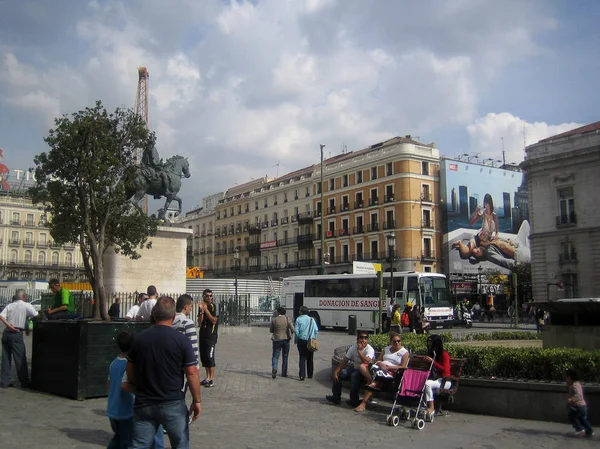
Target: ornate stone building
[(562, 175), (27, 252)]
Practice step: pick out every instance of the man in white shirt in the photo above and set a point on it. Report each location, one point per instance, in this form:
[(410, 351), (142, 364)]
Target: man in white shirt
[(145, 312), (132, 312), (14, 316), (361, 352)]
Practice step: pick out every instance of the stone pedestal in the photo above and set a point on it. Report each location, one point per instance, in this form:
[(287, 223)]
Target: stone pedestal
[(163, 265)]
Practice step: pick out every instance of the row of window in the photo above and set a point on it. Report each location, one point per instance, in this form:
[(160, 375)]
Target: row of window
[(15, 218), (332, 186), (41, 257), (15, 236)]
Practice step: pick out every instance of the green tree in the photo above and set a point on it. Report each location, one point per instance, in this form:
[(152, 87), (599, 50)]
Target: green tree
[(81, 184)]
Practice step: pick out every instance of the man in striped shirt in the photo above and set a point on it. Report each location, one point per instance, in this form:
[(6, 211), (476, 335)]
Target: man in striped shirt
[(182, 322), (14, 316)]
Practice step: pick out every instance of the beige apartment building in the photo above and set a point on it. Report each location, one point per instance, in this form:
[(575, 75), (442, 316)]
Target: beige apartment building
[(562, 176), (389, 186), (27, 252)]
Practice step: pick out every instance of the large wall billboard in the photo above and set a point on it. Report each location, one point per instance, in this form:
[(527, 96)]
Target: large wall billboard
[(485, 218)]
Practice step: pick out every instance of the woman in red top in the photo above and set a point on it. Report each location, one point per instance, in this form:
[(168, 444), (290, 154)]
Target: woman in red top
[(441, 369)]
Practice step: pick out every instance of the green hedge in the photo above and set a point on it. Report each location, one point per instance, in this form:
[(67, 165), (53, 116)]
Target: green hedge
[(508, 363)]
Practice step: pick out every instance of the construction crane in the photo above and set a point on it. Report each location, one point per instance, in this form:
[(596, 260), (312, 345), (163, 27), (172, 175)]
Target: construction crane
[(141, 109)]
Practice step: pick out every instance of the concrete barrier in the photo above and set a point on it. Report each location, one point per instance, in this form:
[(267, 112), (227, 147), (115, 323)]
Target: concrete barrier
[(542, 401)]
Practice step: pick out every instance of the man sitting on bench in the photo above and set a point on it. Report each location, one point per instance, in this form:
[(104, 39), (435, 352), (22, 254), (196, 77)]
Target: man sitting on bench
[(63, 306)]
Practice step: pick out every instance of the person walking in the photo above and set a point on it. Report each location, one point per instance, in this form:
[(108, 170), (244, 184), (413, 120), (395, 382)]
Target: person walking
[(306, 328), (145, 311), (577, 406), (156, 364), (114, 311), (208, 319), (134, 309), (182, 322), (283, 331), (14, 316), (63, 306)]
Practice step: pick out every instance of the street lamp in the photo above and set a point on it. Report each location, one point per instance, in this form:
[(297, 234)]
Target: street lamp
[(236, 261), (322, 217), (479, 290), (391, 241)]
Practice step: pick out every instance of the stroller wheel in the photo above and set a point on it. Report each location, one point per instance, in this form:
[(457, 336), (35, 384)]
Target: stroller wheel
[(390, 419), (420, 424), (429, 417), (395, 420)]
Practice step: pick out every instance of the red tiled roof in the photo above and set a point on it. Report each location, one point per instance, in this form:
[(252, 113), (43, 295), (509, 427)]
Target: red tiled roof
[(581, 130)]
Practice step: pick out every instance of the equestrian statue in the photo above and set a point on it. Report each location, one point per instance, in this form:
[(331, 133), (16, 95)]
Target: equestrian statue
[(158, 179)]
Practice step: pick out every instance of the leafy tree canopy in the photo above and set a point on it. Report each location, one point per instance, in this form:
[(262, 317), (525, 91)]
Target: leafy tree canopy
[(81, 183)]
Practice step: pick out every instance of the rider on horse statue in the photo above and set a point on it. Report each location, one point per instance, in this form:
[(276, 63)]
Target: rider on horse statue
[(152, 167)]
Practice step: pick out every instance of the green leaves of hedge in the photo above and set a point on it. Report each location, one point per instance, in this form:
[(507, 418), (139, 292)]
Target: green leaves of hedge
[(508, 363)]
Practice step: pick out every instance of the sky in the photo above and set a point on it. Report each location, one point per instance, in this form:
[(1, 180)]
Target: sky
[(251, 88)]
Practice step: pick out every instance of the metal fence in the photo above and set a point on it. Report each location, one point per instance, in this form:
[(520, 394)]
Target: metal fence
[(243, 311)]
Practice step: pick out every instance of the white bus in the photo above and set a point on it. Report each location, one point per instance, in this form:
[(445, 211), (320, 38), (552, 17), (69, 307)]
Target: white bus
[(332, 298)]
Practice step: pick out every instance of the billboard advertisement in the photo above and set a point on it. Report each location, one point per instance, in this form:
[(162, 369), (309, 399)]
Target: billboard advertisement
[(485, 217)]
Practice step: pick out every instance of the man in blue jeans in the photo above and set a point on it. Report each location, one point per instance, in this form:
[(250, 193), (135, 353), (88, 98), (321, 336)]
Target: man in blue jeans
[(361, 352), (156, 364)]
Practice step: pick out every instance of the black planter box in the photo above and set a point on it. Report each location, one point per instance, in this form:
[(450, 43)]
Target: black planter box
[(71, 358)]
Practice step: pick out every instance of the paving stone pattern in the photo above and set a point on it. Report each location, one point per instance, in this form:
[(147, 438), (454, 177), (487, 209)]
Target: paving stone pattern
[(248, 409)]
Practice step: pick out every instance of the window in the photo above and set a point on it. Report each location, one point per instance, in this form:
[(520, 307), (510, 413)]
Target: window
[(331, 184), (256, 205), (318, 187), (42, 258), (571, 288), (14, 255), (425, 168), (389, 169), (359, 178), (307, 194), (566, 206), (55, 258), (567, 252), (14, 236), (373, 173), (29, 220), (42, 239), (275, 200), (345, 181), (266, 203), (239, 209), (29, 238), (16, 218), (69, 259), (28, 257), (285, 199)]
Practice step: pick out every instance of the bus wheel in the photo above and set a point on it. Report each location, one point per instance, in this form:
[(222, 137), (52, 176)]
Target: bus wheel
[(315, 316)]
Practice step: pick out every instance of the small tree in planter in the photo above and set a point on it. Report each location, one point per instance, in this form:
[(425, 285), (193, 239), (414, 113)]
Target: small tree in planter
[(81, 183)]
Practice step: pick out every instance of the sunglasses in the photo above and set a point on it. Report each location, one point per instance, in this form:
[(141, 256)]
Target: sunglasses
[(396, 341), (208, 296), (363, 337)]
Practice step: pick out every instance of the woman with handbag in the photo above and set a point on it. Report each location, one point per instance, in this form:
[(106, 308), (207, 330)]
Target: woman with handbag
[(306, 332), (393, 358), (283, 331)]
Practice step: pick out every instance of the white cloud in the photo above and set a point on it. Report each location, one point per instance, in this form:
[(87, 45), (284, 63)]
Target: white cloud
[(487, 134), (259, 81)]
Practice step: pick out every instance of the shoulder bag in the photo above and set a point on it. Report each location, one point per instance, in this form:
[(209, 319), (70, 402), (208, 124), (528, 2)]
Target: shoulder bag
[(313, 344)]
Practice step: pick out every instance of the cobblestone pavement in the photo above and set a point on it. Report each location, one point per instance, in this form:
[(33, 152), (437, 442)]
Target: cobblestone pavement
[(248, 409)]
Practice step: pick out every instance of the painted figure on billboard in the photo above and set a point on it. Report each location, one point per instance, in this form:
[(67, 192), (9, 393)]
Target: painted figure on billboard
[(4, 171), (490, 245)]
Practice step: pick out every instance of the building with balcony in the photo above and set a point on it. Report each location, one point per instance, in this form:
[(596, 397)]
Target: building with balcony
[(562, 175), (201, 244), (27, 252), (389, 186)]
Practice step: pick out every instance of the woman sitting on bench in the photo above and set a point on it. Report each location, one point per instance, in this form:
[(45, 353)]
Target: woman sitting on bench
[(441, 369), (390, 360)]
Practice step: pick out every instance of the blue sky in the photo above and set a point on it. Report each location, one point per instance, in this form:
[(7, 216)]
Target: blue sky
[(238, 86)]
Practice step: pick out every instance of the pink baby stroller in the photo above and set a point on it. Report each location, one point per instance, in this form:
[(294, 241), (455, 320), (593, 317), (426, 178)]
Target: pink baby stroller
[(409, 403)]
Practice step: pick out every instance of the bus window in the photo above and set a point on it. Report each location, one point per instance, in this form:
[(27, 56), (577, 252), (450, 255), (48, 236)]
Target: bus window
[(434, 292)]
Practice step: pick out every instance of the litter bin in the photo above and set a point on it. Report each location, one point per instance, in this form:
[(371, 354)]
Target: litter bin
[(351, 324)]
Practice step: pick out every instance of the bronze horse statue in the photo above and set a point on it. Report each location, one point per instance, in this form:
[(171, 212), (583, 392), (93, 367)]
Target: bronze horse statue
[(166, 182)]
